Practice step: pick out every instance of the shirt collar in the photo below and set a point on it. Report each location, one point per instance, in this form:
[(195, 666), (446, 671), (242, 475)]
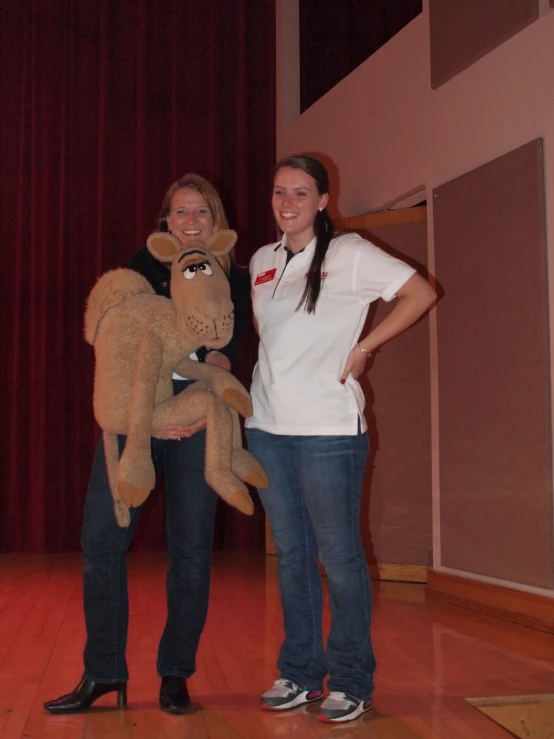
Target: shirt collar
[(307, 251)]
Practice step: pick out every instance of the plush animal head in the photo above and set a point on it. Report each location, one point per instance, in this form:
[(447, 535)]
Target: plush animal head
[(199, 286)]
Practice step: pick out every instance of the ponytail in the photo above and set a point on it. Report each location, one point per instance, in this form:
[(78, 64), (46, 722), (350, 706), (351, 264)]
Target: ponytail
[(324, 232)]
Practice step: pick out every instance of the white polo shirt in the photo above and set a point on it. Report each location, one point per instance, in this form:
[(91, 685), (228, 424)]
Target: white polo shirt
[(296, 386)]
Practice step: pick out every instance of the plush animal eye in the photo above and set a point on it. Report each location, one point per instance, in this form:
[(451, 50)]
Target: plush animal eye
[(190, 271)]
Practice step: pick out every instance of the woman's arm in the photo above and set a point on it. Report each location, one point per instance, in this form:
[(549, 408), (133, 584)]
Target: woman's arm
[(414, 297)]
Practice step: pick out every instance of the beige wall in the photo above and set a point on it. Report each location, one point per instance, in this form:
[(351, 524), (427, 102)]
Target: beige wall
[(389, 133)]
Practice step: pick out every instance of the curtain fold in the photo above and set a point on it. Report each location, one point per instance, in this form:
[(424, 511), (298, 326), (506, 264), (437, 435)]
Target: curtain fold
[(102, 105)]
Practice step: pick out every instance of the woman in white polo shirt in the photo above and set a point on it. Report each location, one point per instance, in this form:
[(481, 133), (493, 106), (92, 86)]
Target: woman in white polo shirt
[(311, 292)]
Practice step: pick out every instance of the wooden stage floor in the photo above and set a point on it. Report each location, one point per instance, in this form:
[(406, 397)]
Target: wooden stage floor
[(430, 658)]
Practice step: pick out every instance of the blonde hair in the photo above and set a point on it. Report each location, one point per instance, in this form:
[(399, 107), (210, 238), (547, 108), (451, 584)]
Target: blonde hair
[(211, 196)]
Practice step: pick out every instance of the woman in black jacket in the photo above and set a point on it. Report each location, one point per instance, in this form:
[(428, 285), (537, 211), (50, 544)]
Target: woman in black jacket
[(191, 209)]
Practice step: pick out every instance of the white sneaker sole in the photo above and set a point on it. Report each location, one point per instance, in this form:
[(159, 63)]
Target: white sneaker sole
[(298, 700), (350, 717)]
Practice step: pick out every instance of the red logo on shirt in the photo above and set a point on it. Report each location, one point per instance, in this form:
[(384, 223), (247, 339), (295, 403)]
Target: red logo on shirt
[(265, 276), (323, 275)]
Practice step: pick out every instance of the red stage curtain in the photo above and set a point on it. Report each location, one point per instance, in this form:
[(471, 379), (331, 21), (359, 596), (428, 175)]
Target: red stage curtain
[(102, 105)]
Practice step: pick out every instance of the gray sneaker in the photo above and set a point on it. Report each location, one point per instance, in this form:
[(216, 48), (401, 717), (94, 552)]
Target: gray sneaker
[(285, 694), (342, 707)]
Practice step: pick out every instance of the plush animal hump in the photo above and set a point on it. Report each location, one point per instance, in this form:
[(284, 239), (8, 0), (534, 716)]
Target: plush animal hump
[(111, 289)]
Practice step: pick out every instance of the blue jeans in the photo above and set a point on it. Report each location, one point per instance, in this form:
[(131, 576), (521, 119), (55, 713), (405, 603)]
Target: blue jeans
[(313, 508), (191, 505)]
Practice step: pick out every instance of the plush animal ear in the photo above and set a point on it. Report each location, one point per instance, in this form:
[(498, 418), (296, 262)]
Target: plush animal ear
[(221, 242), (163, 246)]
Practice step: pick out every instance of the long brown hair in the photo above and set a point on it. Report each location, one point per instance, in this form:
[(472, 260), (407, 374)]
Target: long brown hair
[(210, 195)]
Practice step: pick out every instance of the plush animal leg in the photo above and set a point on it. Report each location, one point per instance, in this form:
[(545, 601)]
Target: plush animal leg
[(221, 382), (243, 463), (137, 475), (191, 405), (111, 453)]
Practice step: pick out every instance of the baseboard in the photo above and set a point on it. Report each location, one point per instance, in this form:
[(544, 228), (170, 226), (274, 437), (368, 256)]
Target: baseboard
[(384, 571), (398, 572), (509, 604)]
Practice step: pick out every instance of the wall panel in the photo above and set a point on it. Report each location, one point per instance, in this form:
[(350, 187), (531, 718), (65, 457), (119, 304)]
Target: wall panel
[(463, 32), (397, 487), (493, 367)]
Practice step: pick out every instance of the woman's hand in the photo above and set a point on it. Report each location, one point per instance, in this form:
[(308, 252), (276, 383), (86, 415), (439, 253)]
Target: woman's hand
[(176, 432), (218, 360), (355, 363), (414, 297)]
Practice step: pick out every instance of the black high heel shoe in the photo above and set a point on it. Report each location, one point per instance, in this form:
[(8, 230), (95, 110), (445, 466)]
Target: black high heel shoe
[(174, 696), (84, 696)]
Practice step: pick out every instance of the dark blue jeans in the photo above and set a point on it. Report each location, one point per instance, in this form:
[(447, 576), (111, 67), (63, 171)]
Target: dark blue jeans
[(313, 508), (191, 505)]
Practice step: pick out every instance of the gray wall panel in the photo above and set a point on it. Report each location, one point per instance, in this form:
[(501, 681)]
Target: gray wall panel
[(494, 373), (463, 32), (397, 487)]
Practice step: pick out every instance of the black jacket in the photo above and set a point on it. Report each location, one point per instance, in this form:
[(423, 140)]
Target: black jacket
[(158, 275)]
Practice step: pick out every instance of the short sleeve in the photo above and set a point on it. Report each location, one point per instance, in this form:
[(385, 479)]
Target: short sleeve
[(378, 274)]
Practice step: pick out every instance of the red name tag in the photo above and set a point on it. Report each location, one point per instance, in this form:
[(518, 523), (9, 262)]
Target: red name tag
[(265, 276)]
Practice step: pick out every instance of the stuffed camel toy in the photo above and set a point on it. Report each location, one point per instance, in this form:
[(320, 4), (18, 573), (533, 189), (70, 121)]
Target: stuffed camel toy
[(141, 338)]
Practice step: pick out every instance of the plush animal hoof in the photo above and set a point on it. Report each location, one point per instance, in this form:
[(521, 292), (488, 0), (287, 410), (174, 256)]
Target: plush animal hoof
[(239, 401), (242, 502), (131, 495), (257, 477)]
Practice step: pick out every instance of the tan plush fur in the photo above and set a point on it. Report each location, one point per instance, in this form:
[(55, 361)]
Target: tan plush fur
[(140, 339)]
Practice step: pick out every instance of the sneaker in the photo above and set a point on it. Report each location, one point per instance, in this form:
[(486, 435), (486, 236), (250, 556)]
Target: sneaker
[(285, 694), (342, 707)]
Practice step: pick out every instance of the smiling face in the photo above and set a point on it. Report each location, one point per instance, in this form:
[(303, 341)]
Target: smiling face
[(190, 218), (295, 203)]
